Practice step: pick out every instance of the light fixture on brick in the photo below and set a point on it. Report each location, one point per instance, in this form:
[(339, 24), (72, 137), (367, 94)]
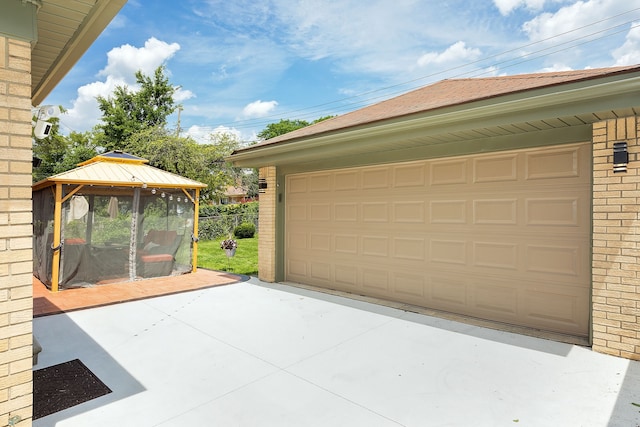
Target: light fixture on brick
[(620, 157)]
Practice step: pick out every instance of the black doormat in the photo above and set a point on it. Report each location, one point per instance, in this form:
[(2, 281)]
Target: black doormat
[(62, 386)]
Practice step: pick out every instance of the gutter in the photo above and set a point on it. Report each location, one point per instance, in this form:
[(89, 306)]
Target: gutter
[(498, 111)]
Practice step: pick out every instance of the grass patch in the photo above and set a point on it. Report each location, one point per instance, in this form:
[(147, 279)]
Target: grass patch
[(245, 261)]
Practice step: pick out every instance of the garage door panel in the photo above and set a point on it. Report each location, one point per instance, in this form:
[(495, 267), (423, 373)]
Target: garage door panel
[(346, 181), (495, 211), (320, 212), (554, 163), (495, 169), (296, 212), (408, 212), (448, 251), (346, 277), (502, 236), (447, 172), (376, 281), (320, 183), (297, 184), (408, 286), (449, 293), (556, 308), (375, 178), (409, 248), (497, 299), (556, 260), (451, 211), (375, 246), (320, 242), (321, 272), (346, 244), (412, 175), (495, 255), (375, 211), (297, 241), (297, 269)]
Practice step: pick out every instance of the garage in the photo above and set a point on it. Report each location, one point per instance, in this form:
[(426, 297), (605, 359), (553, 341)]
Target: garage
[(501, 236), (511, 200)]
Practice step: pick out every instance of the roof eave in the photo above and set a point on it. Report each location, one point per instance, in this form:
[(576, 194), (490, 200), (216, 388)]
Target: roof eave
[(582, 97), (102, 13)]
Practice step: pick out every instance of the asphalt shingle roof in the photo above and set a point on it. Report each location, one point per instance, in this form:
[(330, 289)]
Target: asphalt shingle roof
[(447, 93)]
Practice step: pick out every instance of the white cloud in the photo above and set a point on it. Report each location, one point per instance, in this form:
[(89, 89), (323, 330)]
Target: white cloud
[(455, 53), (122, 64), (198, 133), (182, 95), (258, 109), (560, 24), (124, 61), (629, 52), (205, 134), (555, 67), (507, 6)]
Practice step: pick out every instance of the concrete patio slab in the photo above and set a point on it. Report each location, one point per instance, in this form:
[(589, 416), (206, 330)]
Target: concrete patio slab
[(257, 354)]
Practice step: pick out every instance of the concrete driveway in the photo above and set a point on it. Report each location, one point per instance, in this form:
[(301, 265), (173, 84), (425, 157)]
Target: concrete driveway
[(256, 354)]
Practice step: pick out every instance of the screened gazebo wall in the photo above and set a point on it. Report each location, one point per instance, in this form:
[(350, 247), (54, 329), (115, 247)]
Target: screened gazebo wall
[(105, 238), (114, 219)]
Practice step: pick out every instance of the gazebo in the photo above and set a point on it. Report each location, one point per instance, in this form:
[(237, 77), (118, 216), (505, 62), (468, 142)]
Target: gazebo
[(114, 218)]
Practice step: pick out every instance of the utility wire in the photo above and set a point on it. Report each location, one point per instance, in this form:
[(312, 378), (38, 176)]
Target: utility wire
[(360, 101)]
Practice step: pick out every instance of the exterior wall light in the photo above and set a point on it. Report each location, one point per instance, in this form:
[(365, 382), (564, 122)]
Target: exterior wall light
[(262, 185), (620, 157)]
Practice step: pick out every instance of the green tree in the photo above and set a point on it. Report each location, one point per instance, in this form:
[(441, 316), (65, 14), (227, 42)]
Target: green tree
[(128, 112), (220, 146), (184, 156), (58, 153), (285, 126), (280, 128)]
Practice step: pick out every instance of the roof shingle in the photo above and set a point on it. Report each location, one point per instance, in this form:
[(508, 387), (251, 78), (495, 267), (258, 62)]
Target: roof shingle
[(447, 93)]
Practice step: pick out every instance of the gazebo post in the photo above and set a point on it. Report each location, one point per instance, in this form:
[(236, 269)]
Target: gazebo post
[(56, 245), (89, 231), (196, 213), (133, 240)]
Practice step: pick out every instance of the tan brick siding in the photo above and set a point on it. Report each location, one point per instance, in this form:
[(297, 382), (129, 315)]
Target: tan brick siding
[(16, 293), (616, 241), (267, 226)]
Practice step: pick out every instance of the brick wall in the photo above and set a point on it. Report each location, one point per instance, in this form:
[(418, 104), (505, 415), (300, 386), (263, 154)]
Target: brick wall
[(616, 241), (267, 226), (16, 303)]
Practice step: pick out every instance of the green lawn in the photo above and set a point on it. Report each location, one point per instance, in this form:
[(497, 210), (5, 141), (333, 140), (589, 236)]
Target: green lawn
[(245, 261)]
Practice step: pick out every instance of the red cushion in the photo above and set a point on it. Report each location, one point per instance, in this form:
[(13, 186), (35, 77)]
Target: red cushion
[(74, 241), (157, 258)]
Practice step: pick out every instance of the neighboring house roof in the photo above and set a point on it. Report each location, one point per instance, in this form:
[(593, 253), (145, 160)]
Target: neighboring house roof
[(65, 30), (232, 191), (119, 170), (450, 107)]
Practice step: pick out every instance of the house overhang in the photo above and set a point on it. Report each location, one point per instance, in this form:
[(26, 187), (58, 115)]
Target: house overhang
[(60, 32), (557, 114)]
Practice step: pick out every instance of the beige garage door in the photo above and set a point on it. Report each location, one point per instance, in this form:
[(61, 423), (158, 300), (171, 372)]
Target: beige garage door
[(501, 236)]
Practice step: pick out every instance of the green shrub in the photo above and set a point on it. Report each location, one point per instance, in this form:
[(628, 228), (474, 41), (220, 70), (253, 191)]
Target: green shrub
[(210, 229), (246, 230)]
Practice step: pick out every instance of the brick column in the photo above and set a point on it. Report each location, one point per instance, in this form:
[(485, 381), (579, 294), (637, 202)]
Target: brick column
[(616, 241), (267, 226), (16, 292)]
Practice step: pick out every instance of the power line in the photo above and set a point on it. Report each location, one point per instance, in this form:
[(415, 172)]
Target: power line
[(320, 109)]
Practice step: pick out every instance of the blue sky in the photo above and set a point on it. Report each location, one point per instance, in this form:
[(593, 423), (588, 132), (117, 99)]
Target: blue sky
[(243, 64)]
